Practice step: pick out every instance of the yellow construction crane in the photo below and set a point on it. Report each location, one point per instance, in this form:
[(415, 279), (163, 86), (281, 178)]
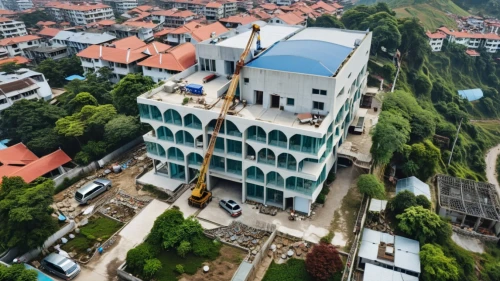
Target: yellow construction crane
[(200, 196)]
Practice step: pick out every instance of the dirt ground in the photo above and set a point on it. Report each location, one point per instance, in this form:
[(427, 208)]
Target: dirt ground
[(221, 269)]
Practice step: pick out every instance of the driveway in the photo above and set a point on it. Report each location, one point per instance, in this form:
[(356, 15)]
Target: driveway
[(103, 267), (491, 174)]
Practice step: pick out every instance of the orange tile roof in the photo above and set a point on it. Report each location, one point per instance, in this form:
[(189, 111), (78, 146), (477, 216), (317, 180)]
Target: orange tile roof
[(106, 22), (239, 19), (49, 31), (7, 12), (437, 35), (204, 32), (322, 5), (337, 6), (269, 6), (144, 8), (16, 59), (188, 27), (262, 15), (286, 8), (163, 32), (64, 23), (19, 161), (164, 12), (111, 54), (2, 19), (19, 39), (290, 18), (76, 7), (214, 5), (472, 53), (153, 48), (178, 58), (141, 24), (131, 42), (45, 23)]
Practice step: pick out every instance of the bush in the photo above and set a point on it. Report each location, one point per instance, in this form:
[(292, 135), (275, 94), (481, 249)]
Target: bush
[(402, 201), (330, 178), (321, 199), (185, 101), (179, 268), (183, 248), (137, 257), (369, 185), (327, 238), (423, 201), (323, 261), (151, 267), (204, 247)]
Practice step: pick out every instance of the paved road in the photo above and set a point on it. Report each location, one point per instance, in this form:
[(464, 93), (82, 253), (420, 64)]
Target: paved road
[(490, 159)]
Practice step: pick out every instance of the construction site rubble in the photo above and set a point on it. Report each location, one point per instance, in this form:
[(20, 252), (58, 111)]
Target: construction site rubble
[(283, 248)]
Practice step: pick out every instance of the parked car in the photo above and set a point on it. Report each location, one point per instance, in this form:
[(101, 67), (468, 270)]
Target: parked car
[(91, 190), (231, 207), (60, 266)]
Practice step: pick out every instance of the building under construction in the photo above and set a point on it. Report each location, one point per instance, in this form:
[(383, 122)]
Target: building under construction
[(469, 204)]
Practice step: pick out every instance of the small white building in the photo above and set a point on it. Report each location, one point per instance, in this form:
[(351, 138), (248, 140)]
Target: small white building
[(15, 46), (278, 146), (436, 40), (23, 84), (11, 28)]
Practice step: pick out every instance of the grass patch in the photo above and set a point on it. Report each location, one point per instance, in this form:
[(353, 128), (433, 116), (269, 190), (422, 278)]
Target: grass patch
[(292, 270), (100, 228), (160, 194)]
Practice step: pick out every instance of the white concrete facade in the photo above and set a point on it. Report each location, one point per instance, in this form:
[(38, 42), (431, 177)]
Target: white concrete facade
[(37, 88), (18, 48), (277, 160), (78, 16), (436, 44), (12, 28)]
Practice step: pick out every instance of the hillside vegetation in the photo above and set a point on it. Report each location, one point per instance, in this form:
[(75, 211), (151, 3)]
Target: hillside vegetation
[(488, 8), (432, 13)]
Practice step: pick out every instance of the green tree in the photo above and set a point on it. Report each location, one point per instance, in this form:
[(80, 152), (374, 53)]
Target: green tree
[(390, 135), (437, 266), (423, 225), (369, 185), (17, 272), (80, 100), (163, 232), (414, 46), (32, 122), (97, 84), (426, 156), (31, 19), (422, 125), (121, 129), (25, 212), (385, 31), (422, 200), (183, 249), (137, 257), (52, 72), (326, 21), (491, 271), (10, 67), (151, 267), (403, 200), (127, 90), (352, 18)]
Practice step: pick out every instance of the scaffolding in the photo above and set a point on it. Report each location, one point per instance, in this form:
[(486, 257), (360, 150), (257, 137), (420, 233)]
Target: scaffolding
[(478, 199)]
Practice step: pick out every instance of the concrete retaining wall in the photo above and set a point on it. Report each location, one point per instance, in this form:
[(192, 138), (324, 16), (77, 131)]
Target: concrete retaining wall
[(485, 238)]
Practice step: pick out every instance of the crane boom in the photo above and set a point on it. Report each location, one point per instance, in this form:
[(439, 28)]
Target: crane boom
[(199, 190)]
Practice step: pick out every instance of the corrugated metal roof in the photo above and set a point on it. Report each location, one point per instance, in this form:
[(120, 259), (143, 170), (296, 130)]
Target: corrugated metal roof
[(378, 273), (303, 56), (406, 254), (414, 185), (471, 94), (377, 205)]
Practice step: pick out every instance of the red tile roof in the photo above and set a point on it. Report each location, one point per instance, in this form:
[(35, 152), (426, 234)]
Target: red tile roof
[(16, 59), (131, 42), (188, 27), (322, 5), (76, 7), (7, 12), (19, 161), (141, 24), (472, 53), (19, 39), (164, 12), (269, 6), (106, 22), (144, 8), (49, 31), (65, 23), (163, 32), (204, 32), (240, 19), (290, 18), (45, 23), (112, 54), (2, 19), (262, 15), (153, 48), (437, 35), (178, 58), (214, 5), (337, 6)]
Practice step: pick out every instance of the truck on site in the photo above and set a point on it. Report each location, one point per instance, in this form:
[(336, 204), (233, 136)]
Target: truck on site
[(200, 196)]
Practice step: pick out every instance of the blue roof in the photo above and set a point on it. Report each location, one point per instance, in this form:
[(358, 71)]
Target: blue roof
[(471, 94), (303, 56), (415, 186), (73, 77)]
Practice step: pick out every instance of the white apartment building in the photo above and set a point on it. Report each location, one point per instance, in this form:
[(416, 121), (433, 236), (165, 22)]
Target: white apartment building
[(491, 41), (11, 28), (79, 14), (15, 46), (121, 6), (214, 11), (17, 5), (301, 94), (436, 40), (172, 17), (23, 84), (78, 41)]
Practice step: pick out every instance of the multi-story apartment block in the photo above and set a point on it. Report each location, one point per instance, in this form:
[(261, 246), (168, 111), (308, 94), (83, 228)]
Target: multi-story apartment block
[(78, 41), (214, 11), (172, 17), (436, 40), (23, 84), (79, 14), (122, 56), (195, 6), (491, 41), (301, 94), (121, 6), (141, 30), (11, 28), (288, 19), (208, 8), (17, 5), (15, 46)]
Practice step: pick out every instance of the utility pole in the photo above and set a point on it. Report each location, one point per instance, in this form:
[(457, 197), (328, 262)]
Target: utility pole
[(397, 55), (455, 141)]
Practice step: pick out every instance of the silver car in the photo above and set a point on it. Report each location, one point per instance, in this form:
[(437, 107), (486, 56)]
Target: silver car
[(60, 266), (231, 207), (91, 190)]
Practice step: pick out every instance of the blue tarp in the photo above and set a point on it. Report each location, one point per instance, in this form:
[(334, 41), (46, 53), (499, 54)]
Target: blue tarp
[(415, 186), (471, 94), (303, 56), (195, 89), (73, 77), (3, 144)]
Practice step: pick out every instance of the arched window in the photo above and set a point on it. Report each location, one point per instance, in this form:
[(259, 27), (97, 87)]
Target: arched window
[(164, 133), (255, 173), (161, 150), (192, 121), (173, 117), (211, 126), (277, 138), (195, 159), (287, 161), (267, 156), (301, 185), (175, 154), (147, 111), (232, 130), (155, 149), (275, 179), (184, 138), (256, 133)]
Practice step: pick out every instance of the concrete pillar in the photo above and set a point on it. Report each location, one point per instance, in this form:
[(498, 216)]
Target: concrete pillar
[(463, 220), (496, 30), (243, 191), (265, 195), (61, 170), (476, 225), (154, 165), (186, 169)]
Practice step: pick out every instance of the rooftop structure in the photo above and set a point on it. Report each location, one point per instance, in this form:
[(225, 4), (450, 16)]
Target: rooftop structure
[(471, 94), (17, 60), (19, 161), (287, 18), (377, 273), (396, 253), (172, 17), (142, 30), (78, 41), (48, 32), (281, 135), (237, 20), (468, 202), (43, 52), (415, 186), (194, 33)]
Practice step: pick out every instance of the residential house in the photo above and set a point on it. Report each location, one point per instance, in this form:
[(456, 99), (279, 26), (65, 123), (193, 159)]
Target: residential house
[(23, 84), (238, 20), (288, 19), (172, 17), (436, 40), (44, 51), (43, 24), (121, 6), (17, 5), (11, 28), (490, 41), (214, 11), (175, 60), (324, 8), (78, 41), (194, 33), (195, 6), (79, 14), (48, 32), (15, 46)]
